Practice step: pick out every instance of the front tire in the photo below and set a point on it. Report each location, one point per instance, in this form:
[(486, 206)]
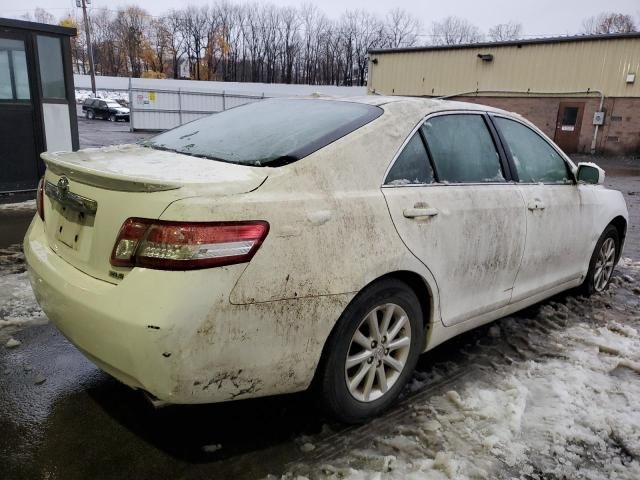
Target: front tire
[(112, 118), (603, 261), (372, 352)]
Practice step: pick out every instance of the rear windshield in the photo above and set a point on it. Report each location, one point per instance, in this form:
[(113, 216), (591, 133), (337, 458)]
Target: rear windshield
[(268, 132)]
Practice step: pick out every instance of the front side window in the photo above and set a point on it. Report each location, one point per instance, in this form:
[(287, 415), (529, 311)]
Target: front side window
[(14, 79), (51, 70), (462, 149), (535, 160), (270, 132), (412, 165)]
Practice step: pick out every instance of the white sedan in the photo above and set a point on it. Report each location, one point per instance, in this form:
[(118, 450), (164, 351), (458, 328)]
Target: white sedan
[(292, 243)]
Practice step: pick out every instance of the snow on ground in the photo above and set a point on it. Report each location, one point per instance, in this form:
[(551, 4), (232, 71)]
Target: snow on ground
[(116, 95), (551, 394), (18, 307), (22, 206)]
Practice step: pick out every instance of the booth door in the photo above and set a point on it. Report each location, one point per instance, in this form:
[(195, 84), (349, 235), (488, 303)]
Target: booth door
[(20, 138)]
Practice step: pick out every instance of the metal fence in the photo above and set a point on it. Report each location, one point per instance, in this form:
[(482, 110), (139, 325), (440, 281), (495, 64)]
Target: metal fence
[(165, 109)]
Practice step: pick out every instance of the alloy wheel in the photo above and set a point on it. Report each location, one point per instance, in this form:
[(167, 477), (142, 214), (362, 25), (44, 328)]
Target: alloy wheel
[(604, 264), (378, 352)]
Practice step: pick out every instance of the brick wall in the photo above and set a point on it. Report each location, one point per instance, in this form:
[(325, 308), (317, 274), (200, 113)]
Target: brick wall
[(619, 135)]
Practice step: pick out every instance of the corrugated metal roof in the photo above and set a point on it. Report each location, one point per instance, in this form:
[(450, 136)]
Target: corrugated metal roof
[(510, 43)]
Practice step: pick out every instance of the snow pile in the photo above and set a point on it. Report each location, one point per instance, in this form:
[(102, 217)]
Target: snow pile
[(18, 306), (549, 395)]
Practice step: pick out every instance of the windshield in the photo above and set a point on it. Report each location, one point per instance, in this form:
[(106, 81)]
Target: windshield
[(267, 133)]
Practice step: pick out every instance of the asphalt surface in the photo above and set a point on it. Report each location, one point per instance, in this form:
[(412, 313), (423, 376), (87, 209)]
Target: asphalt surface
[(97, 133), (62, 418)]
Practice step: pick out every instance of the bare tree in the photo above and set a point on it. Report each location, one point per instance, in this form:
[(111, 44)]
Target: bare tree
[(195, 32), (175, 40), (505, 31), (454, 31), (40, 15), (401, 29), (609, 22), (131, 27), (247, 42)]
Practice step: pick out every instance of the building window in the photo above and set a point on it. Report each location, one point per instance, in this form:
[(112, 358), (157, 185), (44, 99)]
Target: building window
[(14, 80), (51, 70), (569, 118)]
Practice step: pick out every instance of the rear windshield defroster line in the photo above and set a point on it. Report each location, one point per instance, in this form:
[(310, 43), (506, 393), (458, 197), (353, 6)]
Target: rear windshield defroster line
[(270, 132)]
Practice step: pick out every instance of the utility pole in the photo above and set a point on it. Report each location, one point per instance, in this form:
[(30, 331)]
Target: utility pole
[(92, 72)]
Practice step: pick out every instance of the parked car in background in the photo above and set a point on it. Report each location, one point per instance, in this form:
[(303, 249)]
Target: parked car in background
[(105, 109), (296, 242)]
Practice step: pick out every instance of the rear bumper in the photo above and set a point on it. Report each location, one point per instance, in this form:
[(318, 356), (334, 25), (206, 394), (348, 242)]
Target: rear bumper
[(175, 334)]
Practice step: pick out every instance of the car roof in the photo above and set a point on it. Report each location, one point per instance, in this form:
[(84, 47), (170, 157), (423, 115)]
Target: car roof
[(423, 105)]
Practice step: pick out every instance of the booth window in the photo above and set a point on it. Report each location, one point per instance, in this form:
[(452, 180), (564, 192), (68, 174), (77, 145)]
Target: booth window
[(14, 80), (51, 70)]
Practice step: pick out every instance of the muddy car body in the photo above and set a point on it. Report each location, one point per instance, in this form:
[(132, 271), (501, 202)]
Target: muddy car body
[(350, 238)]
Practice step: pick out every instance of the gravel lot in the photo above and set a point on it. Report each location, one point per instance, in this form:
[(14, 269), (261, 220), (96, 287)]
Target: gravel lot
[(549, 393)]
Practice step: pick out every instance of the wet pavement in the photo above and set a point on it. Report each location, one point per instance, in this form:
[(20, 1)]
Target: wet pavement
[(62, 418), (98, 133)]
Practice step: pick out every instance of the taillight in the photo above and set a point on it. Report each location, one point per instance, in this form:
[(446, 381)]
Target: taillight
[(40, 199), (186, 246)]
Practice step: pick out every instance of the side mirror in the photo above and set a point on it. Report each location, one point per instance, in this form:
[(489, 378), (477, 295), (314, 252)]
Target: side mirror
[(590, 173)]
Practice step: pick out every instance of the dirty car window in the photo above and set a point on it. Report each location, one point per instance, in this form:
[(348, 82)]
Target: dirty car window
[(267, 133), (534, 158), (412, 165), (462, 149)]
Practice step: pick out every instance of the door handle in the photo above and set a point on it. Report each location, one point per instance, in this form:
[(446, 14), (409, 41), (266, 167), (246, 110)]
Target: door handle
[(419, 212), (536, 205)]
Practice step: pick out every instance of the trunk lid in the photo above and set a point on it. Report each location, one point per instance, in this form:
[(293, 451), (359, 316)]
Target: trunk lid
[(90, 193)]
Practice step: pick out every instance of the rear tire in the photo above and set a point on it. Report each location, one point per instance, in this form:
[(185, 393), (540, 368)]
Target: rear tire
[(90, 114), (603, 262), (365, 367)]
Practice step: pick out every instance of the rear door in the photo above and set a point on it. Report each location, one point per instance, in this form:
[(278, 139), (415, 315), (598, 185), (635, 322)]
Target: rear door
[(558, 211), (452, 203), (103, 110)]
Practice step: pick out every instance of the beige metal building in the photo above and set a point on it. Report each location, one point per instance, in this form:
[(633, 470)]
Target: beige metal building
[(582, 91)]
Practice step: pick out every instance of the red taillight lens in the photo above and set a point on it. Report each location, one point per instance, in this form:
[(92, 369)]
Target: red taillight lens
[(186, 246), (40, 199)]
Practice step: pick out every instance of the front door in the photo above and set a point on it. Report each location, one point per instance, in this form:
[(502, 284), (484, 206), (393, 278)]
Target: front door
[(462, 218), (20, 136), (557, 212), (568, 126)]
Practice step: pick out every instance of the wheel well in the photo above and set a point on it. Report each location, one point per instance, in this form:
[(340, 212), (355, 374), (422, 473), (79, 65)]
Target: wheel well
[(621, 225), (419, 287)]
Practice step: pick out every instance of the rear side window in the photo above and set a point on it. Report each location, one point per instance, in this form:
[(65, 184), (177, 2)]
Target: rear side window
[(462, 149), (267, 133), (412, 165), (535, 160)]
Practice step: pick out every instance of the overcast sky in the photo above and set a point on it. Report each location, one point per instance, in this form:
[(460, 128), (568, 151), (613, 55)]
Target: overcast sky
[(539, 17)]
